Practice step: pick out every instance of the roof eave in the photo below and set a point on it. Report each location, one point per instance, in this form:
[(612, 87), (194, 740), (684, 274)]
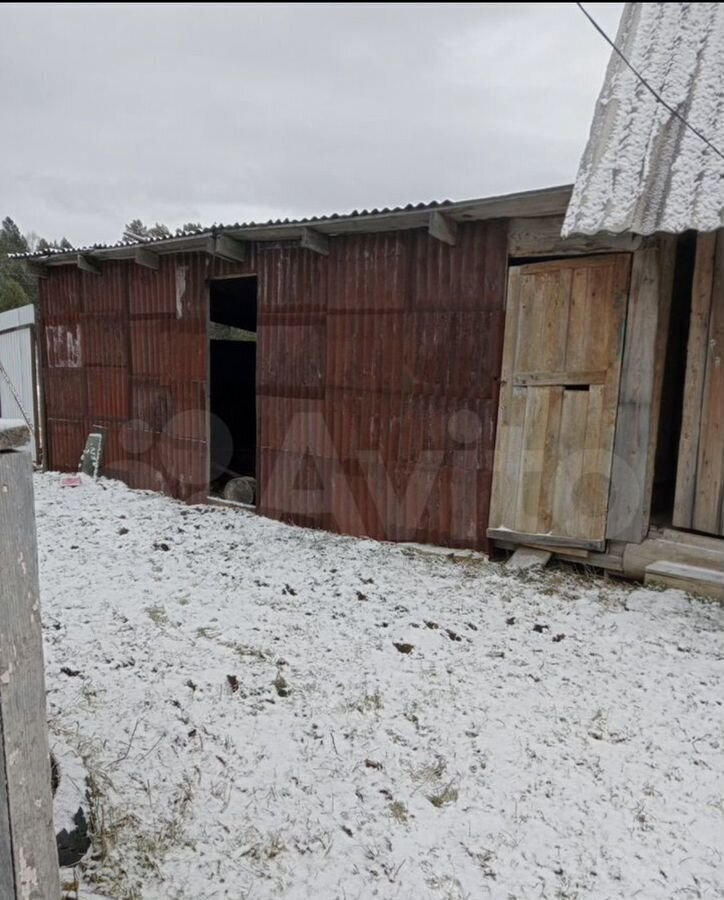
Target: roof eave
[(526, 204)]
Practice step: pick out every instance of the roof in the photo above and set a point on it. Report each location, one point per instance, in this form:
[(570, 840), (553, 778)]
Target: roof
[(643, 170), (548, 201)]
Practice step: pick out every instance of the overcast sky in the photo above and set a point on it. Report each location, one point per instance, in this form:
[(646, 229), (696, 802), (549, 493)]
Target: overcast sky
[(234, 112)]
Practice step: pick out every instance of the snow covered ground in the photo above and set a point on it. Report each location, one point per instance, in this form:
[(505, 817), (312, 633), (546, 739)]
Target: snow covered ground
[(253, 729)]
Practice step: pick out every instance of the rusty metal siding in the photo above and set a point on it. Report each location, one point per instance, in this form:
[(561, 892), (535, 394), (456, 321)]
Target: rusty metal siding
[(377, 378), (378, 383), (126, 351)]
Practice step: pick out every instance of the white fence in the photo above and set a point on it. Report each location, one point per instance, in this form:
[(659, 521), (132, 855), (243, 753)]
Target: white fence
[(18, 370)]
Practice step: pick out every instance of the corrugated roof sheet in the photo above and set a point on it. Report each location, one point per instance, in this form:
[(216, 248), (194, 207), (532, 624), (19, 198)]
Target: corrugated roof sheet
[(547, 201), (237, 226), (643, 170)]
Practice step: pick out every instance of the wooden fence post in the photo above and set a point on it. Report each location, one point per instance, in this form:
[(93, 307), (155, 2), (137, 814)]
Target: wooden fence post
[(28, 852)]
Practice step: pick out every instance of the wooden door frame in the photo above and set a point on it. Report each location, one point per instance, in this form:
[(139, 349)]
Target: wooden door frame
[(706, 285)]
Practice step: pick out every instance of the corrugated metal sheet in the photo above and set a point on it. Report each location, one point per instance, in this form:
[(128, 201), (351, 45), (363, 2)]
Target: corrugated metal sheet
[(549, 201), (376, 379), (378, 386), (643, 170), (17, 378), (127, 351)]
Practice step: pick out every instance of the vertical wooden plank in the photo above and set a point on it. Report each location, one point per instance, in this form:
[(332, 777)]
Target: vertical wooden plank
[(580, 319), (543, 320), (550, 459), (709, 496), (530, 477), (566, 516), (552, 339), (640, 390), (22, 689), (506, 460), (696, 356), (596, 461), (604, 399)]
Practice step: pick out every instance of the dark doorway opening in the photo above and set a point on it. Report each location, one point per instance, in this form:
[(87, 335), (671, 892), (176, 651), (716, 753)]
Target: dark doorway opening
[(232, 384), (672, 392)]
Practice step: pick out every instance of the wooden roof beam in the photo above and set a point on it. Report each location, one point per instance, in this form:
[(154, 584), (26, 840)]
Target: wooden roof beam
[(315, 241), (227, 248), (86, 264), (443, 228), (146, 258)]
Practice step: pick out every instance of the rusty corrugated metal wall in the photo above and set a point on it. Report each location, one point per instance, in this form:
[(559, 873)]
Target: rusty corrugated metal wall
[(377, 378), (378, 382), (127, 350)]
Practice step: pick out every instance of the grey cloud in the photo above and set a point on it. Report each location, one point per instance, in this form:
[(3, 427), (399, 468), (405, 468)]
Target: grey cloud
[(225, 112)]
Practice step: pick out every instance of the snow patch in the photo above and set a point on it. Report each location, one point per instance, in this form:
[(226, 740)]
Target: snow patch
[(235, 690)]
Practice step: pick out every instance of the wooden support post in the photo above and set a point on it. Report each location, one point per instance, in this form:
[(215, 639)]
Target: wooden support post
[(226, 248), (315, 241), (642, 372), (146, 258), (28, 852), (443, 228), (86, 264)]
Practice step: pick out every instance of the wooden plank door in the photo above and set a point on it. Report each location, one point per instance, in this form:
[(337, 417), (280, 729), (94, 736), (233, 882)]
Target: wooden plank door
[(559, 391), (699, 502)]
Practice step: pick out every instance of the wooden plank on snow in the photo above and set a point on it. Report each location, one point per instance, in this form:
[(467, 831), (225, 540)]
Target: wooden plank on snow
[(694, 579), (525, 558)]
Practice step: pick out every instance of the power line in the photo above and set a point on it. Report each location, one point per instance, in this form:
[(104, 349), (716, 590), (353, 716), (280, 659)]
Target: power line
[(647, 85)]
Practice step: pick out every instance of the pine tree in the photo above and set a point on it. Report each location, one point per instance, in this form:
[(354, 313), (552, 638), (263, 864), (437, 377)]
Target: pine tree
[(17, 285)]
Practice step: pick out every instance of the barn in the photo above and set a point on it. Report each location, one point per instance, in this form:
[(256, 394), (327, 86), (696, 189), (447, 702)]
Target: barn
[(349, 363), (455, 374)]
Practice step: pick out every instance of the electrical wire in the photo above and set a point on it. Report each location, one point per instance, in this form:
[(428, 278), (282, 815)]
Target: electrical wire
[(647, 85)]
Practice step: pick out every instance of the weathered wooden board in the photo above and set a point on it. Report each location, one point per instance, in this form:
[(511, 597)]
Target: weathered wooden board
[(699, 502), (709, 497), (525, 558), (542, 237), (550, 541), (613, 561), (694, 579), (637, 557), (22, 689), (640, 392), (558, 401), (701, 291)]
